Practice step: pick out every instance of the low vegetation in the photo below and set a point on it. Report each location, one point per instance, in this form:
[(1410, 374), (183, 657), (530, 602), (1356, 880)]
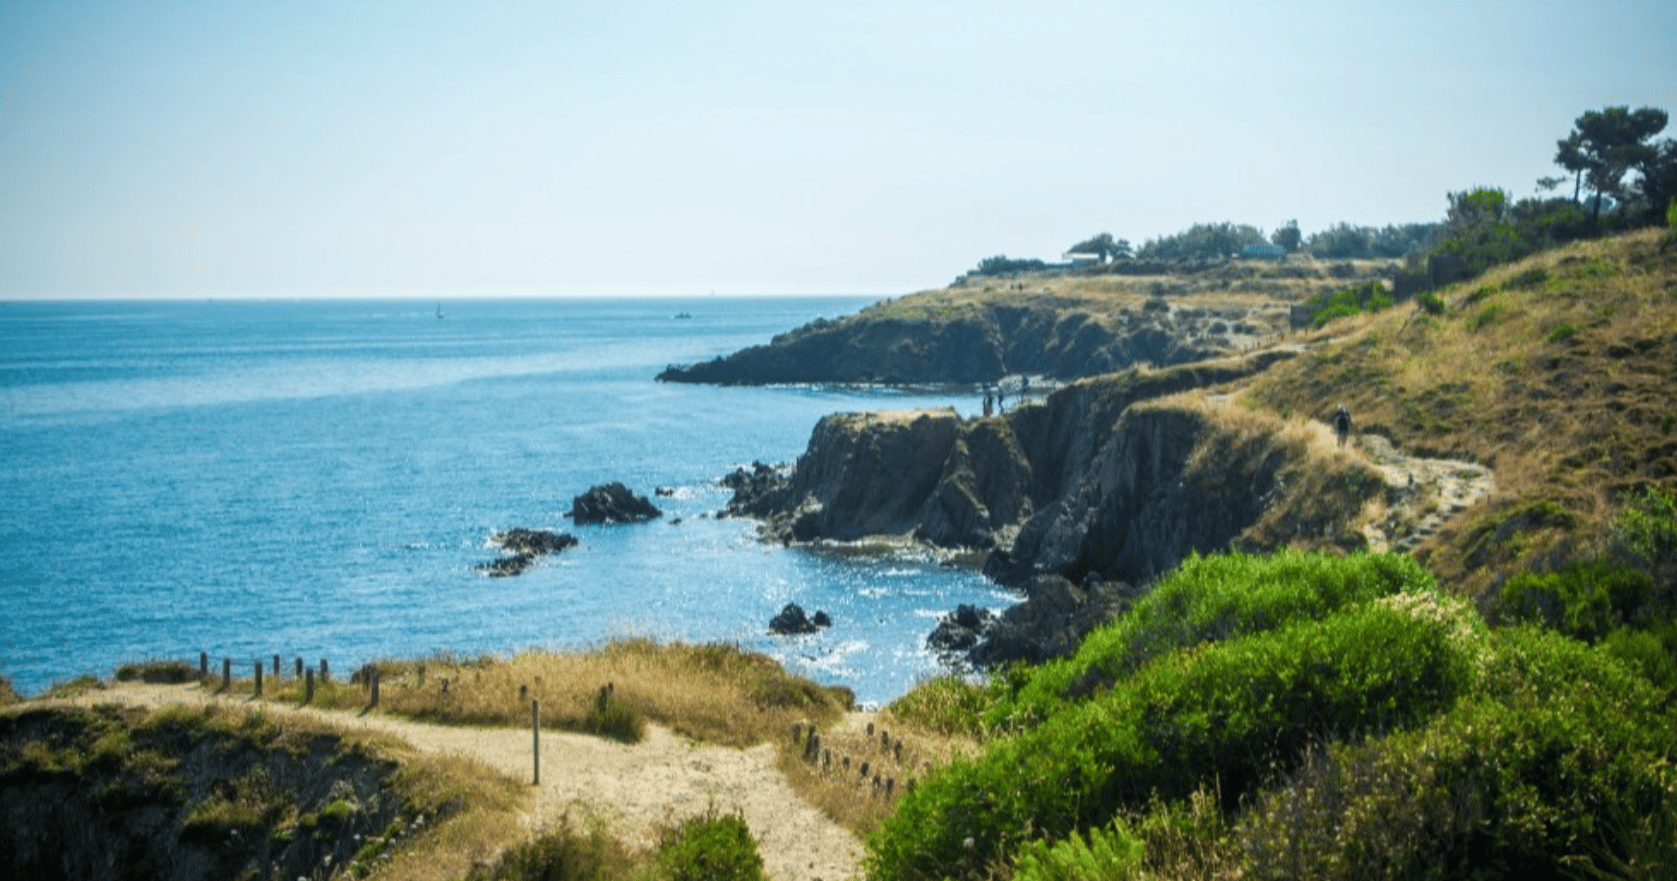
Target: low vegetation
[(1555, 371), (716, 693), (707, 847), (237, 792), (1298, 716)]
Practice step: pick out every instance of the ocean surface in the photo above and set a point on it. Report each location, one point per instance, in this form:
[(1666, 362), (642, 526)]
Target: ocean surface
[(318, 479)]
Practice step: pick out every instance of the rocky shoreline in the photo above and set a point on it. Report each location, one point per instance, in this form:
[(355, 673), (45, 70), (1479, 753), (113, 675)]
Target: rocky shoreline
[(1078, 501)]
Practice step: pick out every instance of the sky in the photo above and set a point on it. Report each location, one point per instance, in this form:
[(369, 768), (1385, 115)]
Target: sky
[(412, 148)]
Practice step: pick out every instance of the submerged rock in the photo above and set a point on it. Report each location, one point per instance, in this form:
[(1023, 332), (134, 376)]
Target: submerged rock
[(612, 503)]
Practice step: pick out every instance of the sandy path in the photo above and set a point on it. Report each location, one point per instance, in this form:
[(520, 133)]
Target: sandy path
[(634, 788), (1429, 492)]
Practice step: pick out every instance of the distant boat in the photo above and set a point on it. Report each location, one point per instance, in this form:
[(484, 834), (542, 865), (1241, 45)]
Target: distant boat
[(439, 310), (684, 315)]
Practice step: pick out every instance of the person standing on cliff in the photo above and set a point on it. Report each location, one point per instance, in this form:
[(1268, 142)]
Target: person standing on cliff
[(1342, 424)]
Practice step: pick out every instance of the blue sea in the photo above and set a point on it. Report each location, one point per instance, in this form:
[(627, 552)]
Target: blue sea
[(318, 479)]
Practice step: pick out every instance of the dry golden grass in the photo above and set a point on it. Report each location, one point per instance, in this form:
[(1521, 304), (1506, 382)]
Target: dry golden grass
[(480, 808), (1323, 493), (1556, 371), (715, 693), (859, 770)]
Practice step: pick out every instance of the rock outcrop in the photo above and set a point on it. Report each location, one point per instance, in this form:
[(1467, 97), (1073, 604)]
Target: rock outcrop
[(1102, 485), (977, 342), (793, 621), (612, 503), (522, 547), (1050, 623)]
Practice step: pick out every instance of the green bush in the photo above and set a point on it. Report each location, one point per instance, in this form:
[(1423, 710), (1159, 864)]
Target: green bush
[(1228, 714), (1548, 767), (1371, 296), (566, 855), (1431, 302), (1562, 333), (610, 717), (1208, 599), (1585, 600), (944, 705), (711, 848), (1651, 652), (1106, 855)]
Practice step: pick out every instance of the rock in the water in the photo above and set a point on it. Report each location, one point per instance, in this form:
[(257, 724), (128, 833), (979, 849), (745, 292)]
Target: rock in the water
[(959, 631), (507, 566), (792, 620), (612, 503), (520, 540), (1049, 624), (522, 547)]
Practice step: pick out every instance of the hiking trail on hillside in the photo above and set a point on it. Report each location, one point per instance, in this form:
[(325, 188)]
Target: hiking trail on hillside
[(634, 788)]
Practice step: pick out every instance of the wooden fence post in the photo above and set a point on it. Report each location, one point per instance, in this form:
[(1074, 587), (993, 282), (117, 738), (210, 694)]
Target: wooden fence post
[(325, 671), (276, 668), (203, 663), (226, 674), (374, 677), (536, 743), (308, 687), (299, 668), (258, 679)]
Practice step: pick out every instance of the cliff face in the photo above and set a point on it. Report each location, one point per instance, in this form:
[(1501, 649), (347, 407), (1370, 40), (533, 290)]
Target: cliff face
[(1101, 482), (109, 793), (976, 342)]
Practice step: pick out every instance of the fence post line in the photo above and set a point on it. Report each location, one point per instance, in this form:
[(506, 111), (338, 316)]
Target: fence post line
[(299, 668), (226, 674), (203, 663), (536, 743), (308, 687), (258, 679), (276, 668), (325, 671), (374, 677)]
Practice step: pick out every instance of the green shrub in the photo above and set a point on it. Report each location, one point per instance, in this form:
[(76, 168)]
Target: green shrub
[(1548, 767), (610, 717), (158, 672), (943, 705), (711, 848), (1585, 600), (1531, 278), (1106, 855), (1371, 296), (1562, 333), (1208, 599), (1651, 652), (565, 855), (1431, 302), (1647, 530), (1227, 714), (1490, 314)]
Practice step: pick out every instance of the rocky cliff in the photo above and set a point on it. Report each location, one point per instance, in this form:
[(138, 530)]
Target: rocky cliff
[(973, 342), (1111, 480)]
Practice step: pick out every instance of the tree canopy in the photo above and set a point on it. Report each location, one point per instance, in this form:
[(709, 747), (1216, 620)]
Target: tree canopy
[(1104, 247), (1605, 145)]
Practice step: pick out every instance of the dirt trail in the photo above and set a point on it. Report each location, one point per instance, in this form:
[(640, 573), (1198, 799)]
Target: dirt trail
[(634, 788), (1427, 493)]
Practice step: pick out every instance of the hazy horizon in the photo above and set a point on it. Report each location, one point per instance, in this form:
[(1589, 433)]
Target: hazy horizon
[(181, 149)]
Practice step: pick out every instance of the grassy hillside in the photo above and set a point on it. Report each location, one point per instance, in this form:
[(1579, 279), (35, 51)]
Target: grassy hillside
[(1299, 716), (1557, 371)]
